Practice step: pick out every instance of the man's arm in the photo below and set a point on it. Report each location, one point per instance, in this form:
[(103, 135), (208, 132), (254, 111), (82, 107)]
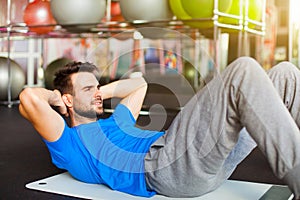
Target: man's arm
[(131, 91), (35, 106)]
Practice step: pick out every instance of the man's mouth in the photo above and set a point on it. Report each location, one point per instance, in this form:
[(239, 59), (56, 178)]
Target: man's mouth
[(98, 102)]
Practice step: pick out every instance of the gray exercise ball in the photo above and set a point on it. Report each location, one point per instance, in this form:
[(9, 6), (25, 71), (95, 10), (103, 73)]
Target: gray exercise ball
[(78, 15), (149, 10), (17, 79), (154, 13), (51, 69)]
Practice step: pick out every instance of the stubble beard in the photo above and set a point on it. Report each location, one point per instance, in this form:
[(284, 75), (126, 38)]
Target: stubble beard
[(91, 113)]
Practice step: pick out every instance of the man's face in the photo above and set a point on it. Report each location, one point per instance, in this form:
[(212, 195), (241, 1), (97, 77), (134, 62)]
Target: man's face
[(87, 100)]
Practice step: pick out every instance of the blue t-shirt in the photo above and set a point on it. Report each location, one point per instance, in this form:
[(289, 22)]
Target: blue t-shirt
[(109, 151)]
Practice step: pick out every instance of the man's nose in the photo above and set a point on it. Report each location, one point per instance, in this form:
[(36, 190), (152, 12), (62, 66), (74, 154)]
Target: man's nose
[(98, 92)]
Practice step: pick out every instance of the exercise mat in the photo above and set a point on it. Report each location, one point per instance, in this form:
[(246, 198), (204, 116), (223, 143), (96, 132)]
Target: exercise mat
[(64, 184)]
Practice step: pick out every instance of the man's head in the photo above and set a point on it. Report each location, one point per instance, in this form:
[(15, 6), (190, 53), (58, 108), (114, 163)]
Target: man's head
[(80, 90), (62, 80)]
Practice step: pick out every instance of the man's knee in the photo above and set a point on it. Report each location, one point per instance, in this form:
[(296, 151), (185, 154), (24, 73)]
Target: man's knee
[(284, 68), (246, 64)]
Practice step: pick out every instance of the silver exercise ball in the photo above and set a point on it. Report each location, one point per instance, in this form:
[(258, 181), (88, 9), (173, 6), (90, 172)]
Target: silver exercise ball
[(51, 69), (17, 79), (149, 10), (78, 15), (153, 13)]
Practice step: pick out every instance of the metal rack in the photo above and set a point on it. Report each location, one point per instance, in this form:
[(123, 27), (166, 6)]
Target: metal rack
[(109, 28)]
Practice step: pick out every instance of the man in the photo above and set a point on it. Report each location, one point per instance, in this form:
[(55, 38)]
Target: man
[(195, 155)]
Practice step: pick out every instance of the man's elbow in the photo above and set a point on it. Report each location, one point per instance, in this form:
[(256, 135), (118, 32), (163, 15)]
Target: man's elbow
[(24, 98), (144, 83), (28, 96)]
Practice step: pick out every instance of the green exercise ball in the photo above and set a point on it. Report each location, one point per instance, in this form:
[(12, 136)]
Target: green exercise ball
[(182, 11), (17, 79), (204, 8), (51, 69), (255, 9), (177, 9), (234, 10), (181, 14)]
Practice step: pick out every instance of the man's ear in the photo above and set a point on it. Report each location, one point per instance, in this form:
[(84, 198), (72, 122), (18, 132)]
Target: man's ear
[(68, 100)]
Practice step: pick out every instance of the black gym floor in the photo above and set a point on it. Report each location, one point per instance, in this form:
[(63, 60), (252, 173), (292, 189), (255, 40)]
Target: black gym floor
[(24, 158)]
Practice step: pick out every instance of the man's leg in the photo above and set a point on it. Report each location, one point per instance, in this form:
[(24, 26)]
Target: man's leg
[(186, 161), (286, 80)]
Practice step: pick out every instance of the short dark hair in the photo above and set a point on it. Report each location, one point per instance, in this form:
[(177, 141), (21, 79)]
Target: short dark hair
[(62, 80)]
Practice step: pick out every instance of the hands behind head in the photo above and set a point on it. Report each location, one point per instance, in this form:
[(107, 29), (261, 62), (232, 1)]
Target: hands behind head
[(58, 104)]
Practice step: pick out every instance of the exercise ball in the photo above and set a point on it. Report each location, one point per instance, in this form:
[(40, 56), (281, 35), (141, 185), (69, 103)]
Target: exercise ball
[(115, 8), (177, 9), (38, 13), (149, 10), (254, 12), (255, 9), (233, 10), (181, 14), (17, 79), (78, 15), (115, 12), (51, 70), (204, 8)]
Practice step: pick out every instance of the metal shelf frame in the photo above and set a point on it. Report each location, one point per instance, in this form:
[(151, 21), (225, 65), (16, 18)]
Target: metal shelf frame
[(108, 28)]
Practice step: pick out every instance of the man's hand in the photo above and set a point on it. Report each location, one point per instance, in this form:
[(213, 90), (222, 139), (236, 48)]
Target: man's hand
[(57, 101), (132, 92)]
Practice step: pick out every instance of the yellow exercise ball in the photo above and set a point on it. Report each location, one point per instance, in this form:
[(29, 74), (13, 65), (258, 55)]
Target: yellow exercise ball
[(233, 10), (255, 9), (204, 8), (178, 10), (179, 7)]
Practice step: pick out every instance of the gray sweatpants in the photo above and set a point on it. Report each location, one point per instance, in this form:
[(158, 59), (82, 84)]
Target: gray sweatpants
[(208, 138)]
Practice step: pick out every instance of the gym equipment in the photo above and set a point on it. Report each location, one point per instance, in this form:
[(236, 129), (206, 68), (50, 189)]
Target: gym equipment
[(78, 15), (38, 13), (178, 9), (116, 14), (180, 13), (234, 190), (17, 76), (115, 8), (148, 10), (254, 11), (204, 8), (51, 69), (234, 10)]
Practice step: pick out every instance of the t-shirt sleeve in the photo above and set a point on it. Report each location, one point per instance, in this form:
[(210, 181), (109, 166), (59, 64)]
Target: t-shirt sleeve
[(60, 150), (123, 115)]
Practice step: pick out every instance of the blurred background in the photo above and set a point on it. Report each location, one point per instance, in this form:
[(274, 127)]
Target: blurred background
[(177, 45)]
